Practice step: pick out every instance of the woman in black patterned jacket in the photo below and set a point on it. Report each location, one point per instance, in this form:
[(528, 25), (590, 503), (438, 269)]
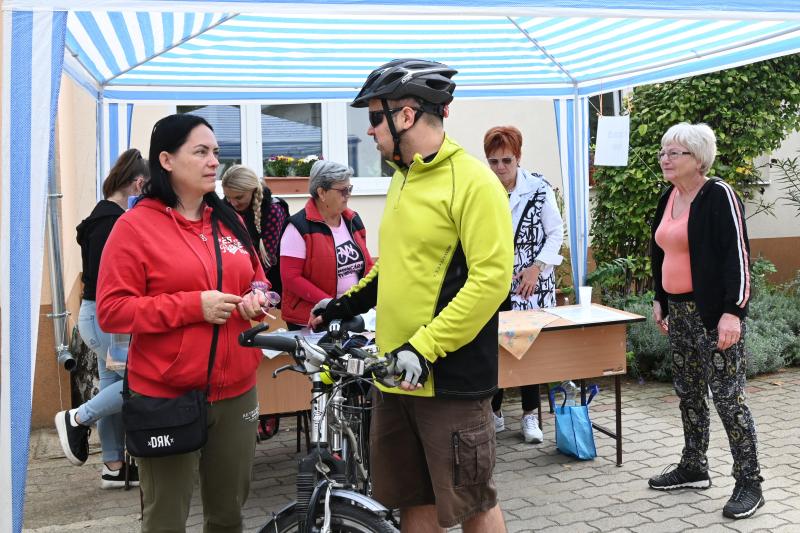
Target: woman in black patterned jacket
[(700, 257)]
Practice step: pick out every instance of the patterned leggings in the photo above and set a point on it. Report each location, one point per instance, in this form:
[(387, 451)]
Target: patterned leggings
[(697, 364)]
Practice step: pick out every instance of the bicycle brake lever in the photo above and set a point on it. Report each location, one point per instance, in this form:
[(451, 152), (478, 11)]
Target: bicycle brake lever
[(293, 368)]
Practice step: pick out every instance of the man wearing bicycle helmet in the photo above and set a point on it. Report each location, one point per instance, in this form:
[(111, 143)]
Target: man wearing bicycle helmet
[(444, 266)]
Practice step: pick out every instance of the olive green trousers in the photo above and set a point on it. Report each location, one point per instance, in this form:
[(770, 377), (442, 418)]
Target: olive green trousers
[(224, 465)]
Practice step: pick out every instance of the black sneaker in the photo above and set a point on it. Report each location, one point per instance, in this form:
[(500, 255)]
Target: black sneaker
[(115, 479), (73, 436), (680, 478), (746, 499)]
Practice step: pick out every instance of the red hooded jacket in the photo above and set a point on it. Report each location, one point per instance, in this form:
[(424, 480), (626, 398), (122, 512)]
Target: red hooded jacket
[(153, 269)]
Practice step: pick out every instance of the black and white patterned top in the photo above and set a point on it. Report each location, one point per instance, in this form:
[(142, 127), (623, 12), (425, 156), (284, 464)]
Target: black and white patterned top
[(538, 234)]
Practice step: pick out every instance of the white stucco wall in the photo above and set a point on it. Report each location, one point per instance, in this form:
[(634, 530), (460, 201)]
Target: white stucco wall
[(77, 160), (535, 118), (785, 223)]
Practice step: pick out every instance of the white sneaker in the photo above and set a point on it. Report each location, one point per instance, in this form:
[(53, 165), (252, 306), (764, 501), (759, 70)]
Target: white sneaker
[(530, 429), (499, 423)]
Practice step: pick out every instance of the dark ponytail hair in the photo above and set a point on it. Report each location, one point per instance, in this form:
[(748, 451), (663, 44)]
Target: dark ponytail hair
[(126, 169), (169, 134)]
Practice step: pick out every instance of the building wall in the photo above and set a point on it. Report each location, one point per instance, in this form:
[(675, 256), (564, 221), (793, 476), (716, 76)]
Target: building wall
[(76, 163), (785, 222), (778, 237)]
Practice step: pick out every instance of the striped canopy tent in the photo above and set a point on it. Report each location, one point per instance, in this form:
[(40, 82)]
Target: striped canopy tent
[(124, 52)]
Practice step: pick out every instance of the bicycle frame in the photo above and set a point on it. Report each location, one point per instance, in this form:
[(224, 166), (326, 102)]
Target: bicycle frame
[(322, 475)]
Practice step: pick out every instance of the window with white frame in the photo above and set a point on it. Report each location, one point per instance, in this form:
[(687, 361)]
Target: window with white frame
[(253, 133)]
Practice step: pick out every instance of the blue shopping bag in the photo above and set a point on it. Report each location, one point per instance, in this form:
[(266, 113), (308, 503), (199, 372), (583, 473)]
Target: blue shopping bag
[(574, 434)]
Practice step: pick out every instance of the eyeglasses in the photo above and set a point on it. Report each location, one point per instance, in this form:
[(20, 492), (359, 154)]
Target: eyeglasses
[(493, 161), (672, 154), (344, 191), (376, 117)]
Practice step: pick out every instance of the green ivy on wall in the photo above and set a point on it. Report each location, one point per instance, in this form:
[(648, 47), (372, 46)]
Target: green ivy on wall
[(751, 109)]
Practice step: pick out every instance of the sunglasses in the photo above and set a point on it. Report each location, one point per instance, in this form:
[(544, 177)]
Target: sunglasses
[(376, 117), (344, 191), (493, 161)]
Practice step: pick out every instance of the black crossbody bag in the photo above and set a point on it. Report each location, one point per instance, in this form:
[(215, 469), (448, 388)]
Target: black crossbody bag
[(157, 427)]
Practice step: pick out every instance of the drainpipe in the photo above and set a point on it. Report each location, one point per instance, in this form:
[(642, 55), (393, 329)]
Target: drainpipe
[(60, 313)]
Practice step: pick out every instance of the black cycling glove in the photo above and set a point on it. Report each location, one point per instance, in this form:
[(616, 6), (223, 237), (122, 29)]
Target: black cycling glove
[(332, 309)]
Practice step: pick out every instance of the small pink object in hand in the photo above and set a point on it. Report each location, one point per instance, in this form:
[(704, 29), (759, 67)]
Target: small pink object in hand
[(272, 298)]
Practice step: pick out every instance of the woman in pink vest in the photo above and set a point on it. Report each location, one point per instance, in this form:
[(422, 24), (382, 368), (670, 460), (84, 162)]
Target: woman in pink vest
[(324, 247)]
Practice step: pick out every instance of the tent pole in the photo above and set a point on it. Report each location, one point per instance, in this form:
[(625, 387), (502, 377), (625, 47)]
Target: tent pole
[(581, 206)]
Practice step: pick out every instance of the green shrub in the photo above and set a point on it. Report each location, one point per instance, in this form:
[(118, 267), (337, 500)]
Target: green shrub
[(765, 344), (772, 329), (774, 325), (751, 108), (650, 348)]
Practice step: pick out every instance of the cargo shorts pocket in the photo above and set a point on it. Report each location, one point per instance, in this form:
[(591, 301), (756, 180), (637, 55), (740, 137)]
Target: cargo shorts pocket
[(474, 451)]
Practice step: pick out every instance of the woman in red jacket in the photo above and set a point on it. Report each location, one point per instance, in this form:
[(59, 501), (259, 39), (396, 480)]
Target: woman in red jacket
[(158, 281), (324, 247)]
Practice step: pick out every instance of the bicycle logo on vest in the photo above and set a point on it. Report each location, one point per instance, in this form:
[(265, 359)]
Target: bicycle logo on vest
[(347, 253)]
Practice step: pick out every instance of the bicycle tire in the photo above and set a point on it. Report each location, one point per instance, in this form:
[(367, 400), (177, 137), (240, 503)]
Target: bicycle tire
[(345, 518)]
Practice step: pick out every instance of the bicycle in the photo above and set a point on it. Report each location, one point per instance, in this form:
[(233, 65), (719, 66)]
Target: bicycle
[(333, 486)]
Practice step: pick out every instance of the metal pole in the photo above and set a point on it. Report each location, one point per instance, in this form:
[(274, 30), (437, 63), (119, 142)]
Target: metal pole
[(60, 313)]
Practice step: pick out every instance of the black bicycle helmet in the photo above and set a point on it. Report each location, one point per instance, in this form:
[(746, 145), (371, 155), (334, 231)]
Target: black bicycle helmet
[(427, 80)]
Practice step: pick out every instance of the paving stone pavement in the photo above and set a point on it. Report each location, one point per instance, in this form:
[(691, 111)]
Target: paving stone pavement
[(540, 489)]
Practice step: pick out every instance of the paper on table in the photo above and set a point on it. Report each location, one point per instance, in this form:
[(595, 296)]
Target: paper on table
[(518, 330), (587, 315), (306, 333)]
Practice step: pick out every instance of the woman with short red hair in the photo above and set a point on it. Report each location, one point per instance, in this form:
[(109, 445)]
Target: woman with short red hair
[(538, 234)]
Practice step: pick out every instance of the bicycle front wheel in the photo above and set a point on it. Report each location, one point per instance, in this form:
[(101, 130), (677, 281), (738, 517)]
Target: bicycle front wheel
[(345, 518)]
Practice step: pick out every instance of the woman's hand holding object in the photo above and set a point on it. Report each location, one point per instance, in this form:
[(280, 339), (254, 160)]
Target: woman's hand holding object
[(252, 305)]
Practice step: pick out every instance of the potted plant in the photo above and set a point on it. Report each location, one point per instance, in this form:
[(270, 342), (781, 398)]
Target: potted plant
[(288, 175)]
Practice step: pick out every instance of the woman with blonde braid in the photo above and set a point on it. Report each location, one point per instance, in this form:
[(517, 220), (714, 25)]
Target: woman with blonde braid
[(263, 214)]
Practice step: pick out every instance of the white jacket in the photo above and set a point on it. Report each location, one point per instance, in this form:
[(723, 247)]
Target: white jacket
[(538, 235)]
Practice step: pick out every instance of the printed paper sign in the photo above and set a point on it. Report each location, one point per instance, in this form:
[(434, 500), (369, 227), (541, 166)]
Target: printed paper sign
[(612, 141)]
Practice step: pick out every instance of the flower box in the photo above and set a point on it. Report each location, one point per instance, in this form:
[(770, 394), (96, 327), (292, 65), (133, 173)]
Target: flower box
[(287, 185)]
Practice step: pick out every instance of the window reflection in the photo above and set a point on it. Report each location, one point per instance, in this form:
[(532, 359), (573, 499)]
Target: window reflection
[(364, 157), (290, 130)]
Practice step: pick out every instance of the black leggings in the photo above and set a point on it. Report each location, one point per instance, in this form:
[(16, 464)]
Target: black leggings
[(530, 398), (529, 393)]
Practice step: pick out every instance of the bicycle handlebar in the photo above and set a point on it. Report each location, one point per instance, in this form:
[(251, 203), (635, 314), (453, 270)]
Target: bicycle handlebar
[(339, 360)]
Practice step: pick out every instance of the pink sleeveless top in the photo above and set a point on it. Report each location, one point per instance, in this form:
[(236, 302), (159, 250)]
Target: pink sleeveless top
[(672, 236)]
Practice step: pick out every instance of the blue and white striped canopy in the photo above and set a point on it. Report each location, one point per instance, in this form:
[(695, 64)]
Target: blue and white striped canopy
[(257, 50), (233, 50)]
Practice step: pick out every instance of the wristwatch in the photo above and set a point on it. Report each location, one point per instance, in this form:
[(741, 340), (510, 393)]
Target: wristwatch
[(541, 265)]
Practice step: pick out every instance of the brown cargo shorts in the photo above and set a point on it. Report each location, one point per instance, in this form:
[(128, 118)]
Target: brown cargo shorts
[(433, 451)]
